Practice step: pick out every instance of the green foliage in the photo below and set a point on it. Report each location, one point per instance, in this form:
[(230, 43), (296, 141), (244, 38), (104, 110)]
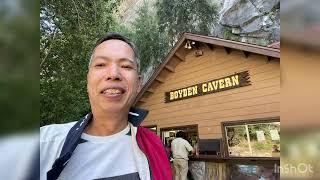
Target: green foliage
[(157, 28), (19, 98), (265, 145), (262, 127), (69, 30), (178, 16), (236, 135), (227, 34), (151, 43), (122, 29)]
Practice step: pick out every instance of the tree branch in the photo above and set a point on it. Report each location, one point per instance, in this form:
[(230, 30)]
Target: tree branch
[(49, 49), (75, 6)]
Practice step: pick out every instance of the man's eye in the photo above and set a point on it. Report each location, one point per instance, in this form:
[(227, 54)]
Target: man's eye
[(127, 67), (99, 65)]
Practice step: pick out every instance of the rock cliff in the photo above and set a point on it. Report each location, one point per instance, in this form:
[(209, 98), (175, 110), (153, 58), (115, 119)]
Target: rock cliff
[(250, 21)]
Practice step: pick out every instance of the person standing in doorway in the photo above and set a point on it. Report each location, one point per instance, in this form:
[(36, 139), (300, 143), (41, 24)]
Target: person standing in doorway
[(180, 150)]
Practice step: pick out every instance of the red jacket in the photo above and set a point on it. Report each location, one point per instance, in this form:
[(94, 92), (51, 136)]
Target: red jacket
[(152, 146)]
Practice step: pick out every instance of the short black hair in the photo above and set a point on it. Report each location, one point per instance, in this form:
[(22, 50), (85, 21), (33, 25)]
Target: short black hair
[(181, 134), (117, 36)]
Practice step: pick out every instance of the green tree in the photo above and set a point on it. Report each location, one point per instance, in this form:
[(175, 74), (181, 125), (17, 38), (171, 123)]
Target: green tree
[(19, 98), (69, 30), (152, 44), (159, 24), (178, 16)]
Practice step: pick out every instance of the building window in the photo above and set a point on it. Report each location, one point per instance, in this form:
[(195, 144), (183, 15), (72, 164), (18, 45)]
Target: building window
[(169, 133), (252, 138)]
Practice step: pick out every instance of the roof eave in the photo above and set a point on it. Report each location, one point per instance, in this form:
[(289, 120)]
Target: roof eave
[(269, 52)]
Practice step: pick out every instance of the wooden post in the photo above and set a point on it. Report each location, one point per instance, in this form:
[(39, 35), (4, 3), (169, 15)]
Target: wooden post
[(248, 138)]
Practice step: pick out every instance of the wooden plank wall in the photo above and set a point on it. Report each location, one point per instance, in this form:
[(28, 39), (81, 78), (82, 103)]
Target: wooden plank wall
[(260, 100)]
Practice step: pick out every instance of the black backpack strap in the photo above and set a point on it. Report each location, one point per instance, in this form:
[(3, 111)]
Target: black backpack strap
[(70, 144), (136, 116)]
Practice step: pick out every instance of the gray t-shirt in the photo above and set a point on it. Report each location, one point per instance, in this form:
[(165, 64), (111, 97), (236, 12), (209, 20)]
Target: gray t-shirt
[(96, 157)]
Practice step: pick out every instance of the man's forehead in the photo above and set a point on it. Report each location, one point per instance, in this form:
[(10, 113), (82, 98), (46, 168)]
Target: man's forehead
[(114, 44), (115, 47)]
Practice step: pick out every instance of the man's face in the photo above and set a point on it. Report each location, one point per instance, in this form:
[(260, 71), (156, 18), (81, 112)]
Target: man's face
[(113, 80)]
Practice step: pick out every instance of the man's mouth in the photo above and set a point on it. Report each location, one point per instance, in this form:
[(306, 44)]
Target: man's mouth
[(113, 91)]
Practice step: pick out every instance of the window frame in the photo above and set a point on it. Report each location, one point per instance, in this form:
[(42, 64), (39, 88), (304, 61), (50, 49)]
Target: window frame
[(163, 129), (152, 126), (244, 122)]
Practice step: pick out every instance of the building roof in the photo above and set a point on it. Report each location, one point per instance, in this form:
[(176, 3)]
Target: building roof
[(211, 42), (275, 45)]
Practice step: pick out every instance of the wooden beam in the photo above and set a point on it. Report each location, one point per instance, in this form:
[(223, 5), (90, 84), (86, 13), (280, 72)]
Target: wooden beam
[(210, 46), (160, 79), (269, 59), (169, 68), (228, 50), (246, 53), (179, 56), (234, 45)]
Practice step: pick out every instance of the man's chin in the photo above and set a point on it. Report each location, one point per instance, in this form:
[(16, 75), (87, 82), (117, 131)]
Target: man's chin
[(114, 108)]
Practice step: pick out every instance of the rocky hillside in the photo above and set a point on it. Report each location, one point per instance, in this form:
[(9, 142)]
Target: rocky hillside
[(251, 21)]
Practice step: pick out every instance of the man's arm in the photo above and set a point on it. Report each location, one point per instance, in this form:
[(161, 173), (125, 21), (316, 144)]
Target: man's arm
[(193, 151), (189, 147)]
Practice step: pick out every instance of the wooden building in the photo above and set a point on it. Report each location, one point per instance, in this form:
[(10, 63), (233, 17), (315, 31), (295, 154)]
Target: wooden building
[(226, 96)]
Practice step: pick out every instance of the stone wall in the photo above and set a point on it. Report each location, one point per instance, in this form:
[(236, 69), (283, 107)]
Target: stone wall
[(250, 21)]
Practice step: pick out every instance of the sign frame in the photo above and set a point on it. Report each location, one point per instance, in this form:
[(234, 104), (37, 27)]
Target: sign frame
[(233, 81)]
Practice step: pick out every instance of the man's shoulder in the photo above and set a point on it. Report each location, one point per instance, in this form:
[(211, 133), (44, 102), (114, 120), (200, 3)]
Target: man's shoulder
[(180, 140), (186, 142), (175, 140), (55, 131)]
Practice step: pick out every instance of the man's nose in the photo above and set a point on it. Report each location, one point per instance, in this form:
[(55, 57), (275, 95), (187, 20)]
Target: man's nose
[(113, 73)]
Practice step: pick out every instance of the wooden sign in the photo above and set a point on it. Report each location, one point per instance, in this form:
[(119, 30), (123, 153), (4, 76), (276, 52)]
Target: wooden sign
[(222, 84)]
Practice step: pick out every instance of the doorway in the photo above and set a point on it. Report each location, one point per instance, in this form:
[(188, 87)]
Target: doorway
[(169, 133)]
